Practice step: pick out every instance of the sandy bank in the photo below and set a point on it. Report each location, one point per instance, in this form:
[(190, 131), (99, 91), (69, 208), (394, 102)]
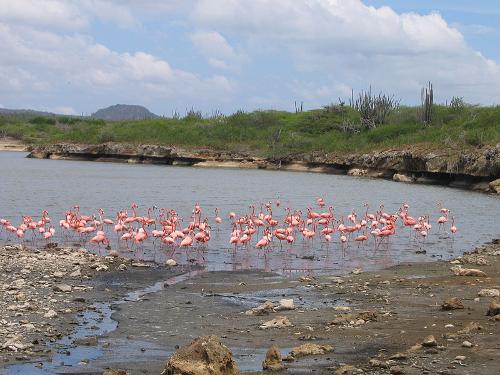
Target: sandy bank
[(10, 144)]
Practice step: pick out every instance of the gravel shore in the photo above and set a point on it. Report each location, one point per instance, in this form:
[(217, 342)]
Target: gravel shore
[(426, 318)]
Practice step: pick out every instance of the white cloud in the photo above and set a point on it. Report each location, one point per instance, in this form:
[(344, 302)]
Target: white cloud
[(219, 53), (55, 63), (355, 45)]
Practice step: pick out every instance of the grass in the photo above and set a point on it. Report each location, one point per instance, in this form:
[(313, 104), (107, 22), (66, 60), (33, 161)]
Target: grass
[(273, 133)]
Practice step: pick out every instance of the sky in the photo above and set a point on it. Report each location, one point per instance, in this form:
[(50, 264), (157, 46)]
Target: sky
[(76, 56)]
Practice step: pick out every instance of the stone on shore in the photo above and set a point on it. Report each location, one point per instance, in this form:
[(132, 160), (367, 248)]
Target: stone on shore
[(206, 355), (112, 371), (452, 304), (65, 288), (278, 322), (429, 342), (489, 293), (263, 309), (310, 349), (495, 185), (273, 361), (400, 177), (171, 263), (285, 304), (494, 308), (459, 271)]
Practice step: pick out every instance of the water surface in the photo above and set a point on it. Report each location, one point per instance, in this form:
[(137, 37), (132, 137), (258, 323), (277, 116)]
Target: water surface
[(30, 185)]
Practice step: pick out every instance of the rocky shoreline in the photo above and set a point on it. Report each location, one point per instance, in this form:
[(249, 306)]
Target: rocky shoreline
[(44, 292), (478, 170), (421, 318)]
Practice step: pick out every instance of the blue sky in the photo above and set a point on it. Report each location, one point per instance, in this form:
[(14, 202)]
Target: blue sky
[(74, 57)]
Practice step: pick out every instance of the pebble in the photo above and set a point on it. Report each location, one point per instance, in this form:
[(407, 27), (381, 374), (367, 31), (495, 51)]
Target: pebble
[(467, 344)]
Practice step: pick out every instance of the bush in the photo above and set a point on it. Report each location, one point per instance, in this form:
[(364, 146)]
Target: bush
[(39, 120)]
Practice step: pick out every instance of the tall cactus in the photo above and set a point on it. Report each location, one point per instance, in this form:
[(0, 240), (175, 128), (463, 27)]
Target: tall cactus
[(427, 99)]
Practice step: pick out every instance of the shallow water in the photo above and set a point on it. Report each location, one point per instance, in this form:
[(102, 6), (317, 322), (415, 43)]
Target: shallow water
[(30, 185)]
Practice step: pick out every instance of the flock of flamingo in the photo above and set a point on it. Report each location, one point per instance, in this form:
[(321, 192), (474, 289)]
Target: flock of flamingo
[(261, 228)]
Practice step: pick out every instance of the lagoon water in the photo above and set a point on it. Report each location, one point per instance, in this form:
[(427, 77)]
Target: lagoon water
[(30, 185)]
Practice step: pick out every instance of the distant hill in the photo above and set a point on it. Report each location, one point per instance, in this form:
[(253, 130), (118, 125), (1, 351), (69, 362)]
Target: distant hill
[(121, 112), (27, 112)]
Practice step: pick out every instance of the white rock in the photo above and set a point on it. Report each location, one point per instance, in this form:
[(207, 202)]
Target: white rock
[(489, 293), (285, 304), (467, 344), (171, 263), (50, 314)]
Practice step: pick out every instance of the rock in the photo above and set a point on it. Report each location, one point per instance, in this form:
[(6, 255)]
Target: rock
[(459, 271), (285, 304), (357, 172), (495, 186), (273, 359), (76, 273), (59, 274), (65, 288), (494, 308), (378, 363), (141, 265), (452, 304), (310, 349), (262, 309), (171, 263), (206, 355), (471, 327), (467, 344), (396, 370), (122, 267), (87, 341), (278, 322), (112, 371), (101, 267), (357, 271), (347, 370), (399, 177), (460, 358), (429, 342), (50, 314), (489, 293), (367, 315)]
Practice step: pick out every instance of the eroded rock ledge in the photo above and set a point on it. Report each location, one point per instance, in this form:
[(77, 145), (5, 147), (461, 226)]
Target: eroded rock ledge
[(478, 170)]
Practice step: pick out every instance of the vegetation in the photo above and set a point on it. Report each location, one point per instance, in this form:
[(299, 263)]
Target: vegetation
[(334, 128)]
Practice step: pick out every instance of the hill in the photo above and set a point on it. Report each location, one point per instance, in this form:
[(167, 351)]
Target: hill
[(123, 112)]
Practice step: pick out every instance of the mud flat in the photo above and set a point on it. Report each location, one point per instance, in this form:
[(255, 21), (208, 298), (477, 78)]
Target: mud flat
[(379, 322)]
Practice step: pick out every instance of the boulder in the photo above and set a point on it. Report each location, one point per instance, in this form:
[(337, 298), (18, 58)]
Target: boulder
[(494, 308), (273, 361), (452, 304), (495, 186), (206, 355)]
